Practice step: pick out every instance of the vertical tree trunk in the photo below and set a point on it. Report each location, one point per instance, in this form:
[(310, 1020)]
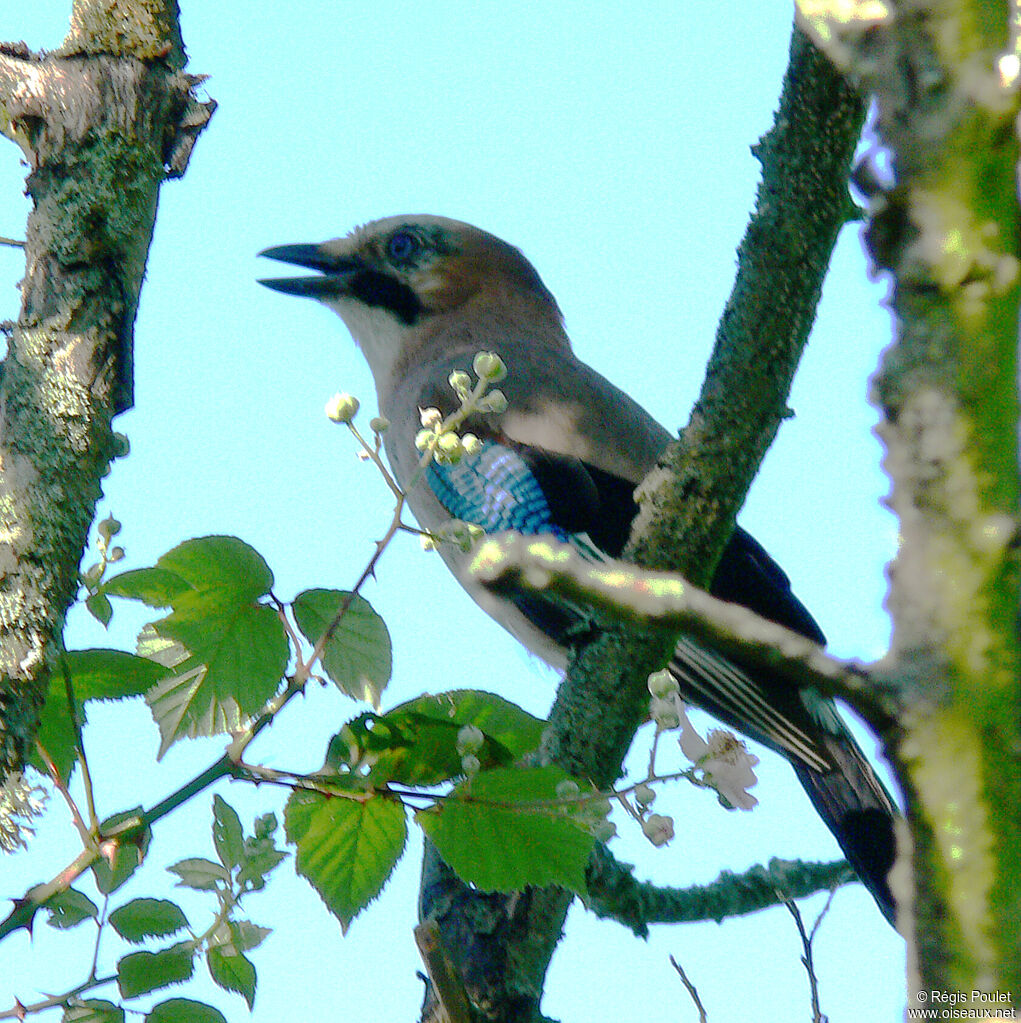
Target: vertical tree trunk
[(102, 122)]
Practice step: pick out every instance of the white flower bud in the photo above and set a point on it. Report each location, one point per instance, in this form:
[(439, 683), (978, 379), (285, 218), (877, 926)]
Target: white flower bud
[(470, 739), (460, 382), (489, 366), (424, 439), (449, 449), (644, 794), (494, 401), (567, 789), (430, 417), (662, 684), (471, 444), (379, 424), (664, 713), (116, 553), (342, 407), (602, 831), (658, 829), (470, 764), (108, 527)]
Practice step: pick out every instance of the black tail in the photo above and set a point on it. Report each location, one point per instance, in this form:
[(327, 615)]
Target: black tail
[(857, 809)]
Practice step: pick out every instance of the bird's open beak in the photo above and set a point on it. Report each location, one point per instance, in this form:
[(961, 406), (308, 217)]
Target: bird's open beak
[(336, 272)]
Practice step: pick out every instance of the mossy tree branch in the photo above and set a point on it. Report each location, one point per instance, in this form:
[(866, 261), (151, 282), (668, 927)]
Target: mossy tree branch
[(944, 80), (503, 945), (102, 121)]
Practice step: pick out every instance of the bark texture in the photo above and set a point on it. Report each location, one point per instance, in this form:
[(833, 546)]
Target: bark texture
[(943, 221), (102, 121)]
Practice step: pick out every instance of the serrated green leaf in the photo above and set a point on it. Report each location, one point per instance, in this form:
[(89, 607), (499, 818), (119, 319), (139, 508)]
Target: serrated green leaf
[(219, 562), (184, 1010), (497, 832), (141, 972), (154, 647), (148, 918), (345, 848), (228, 835), (416, 742), (203, 875), (238, 653), (56, 732), (257, 865), (69, 908), (357, 656), (499, 719), (154, 587), (232, 972), (110, 674), (98, 605), (92, 1010), (95, 674), (127, 856), (245, 935)]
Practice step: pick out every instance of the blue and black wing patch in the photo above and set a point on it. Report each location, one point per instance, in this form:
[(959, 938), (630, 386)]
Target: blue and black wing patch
[(494, 489), (533, 492)]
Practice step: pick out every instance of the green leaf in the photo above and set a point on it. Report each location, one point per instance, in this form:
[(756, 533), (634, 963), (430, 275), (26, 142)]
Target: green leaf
[(141, 972), (499, 719), (203, 875), (260, 855), (127, 855), (257, 865), (56, 729), (219, 562), (95, 674), (228, 835), (154, 647), (496, 833), (416, 742), (230, 650), (357, 656), (245, 935), (98, 605), (154, 587), (232, 972), (110, 674), (93, 1010), (147, 918), (69, 908), (184, 1010), (238, 653), (345, 848)]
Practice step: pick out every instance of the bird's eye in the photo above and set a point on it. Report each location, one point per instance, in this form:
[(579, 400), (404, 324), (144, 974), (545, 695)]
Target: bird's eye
[(402, 246)]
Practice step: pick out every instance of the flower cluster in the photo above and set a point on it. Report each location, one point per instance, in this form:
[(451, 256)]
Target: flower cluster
[(590, 811), (722, 760)]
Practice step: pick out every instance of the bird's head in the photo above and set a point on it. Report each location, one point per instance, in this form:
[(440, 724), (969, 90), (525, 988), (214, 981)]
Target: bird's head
[(399, 281)]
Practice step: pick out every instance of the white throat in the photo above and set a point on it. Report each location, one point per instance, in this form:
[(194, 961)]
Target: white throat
[(376, 333)]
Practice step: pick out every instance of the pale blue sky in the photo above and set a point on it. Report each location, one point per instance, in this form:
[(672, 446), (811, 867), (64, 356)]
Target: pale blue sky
[(611, 146)]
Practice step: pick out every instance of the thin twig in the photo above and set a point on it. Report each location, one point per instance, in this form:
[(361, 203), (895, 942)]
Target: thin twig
[(51, 767), (692, 990), (806, 944)]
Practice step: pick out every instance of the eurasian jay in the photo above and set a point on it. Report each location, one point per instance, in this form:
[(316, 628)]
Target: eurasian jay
[(421, 295)]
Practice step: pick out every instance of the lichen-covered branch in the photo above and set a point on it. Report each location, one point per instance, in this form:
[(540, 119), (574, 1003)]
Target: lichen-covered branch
[(614, 893), (101, 122), (944, 77), (504, 943), (663, 600)]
